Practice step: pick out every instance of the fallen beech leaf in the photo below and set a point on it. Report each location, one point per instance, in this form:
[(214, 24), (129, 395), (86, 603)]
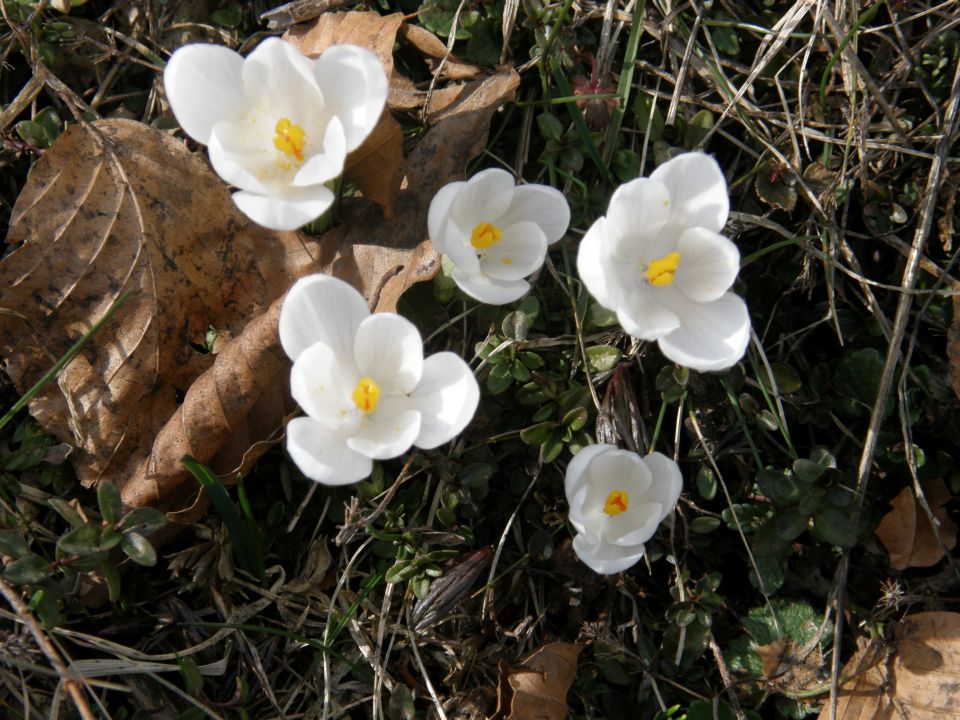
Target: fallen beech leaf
[(377, 165), (121, 206), (906, 531), (434, 48), (916, 677), (538, 689)]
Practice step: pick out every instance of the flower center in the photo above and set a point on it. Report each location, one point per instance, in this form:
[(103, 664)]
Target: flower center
[(484, 235), (366, 394), (660, 272), (617, 502), (289, 138)]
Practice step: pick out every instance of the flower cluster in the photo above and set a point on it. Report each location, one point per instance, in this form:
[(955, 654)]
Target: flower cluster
[(277, 124), (367, 391), (617, 500), (278, 127)]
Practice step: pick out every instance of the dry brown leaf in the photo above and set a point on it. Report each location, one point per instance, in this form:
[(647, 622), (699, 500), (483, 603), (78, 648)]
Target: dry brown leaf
[(434, 49), (906, 531), (377, 33), (538, 689), (916, 679), (119, 206), (377, 165)]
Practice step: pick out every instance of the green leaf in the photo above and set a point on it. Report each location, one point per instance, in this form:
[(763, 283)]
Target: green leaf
[(857, 379), (516, 325), (706, 483), (807, 470), (791, 523), (550, 449), (108, 498), (603, 357), (84, 540), (138, 549), (775, 187), (726, 41), (832, 525), (190, 672), (143, 519), (705, 524), (698, 127), (112, 577), (27, 570), (786, 378), (779, 486), (499, 379), (110, 538), (550, 126), (231, 16), (575, 419), (12, 545), (67, 511), (643, 106)]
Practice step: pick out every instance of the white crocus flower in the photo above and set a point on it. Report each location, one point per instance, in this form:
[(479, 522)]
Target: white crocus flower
[(658, 260), (495, 233), (278, 125), (617, 500), (367, 391)]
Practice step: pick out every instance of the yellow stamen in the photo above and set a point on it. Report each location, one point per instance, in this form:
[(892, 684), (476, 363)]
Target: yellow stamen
[(484, 235), (290, 138), (660, 272), (617, 502), (366, 394)]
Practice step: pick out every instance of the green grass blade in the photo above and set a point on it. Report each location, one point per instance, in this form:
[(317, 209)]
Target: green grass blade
[(247, 546), (61, 363)]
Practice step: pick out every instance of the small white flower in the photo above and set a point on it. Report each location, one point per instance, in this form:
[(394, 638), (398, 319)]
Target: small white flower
[(495, 233), (277, 124), (362, 380), (617, 500), (657, 259)]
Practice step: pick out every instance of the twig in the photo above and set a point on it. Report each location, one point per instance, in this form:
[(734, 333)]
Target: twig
[(67, 677)]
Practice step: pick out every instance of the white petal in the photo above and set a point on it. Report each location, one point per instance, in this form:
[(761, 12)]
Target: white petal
[(604, 558), (593, 264), (289, 211), (709, 264), (457, 247), (239, 165), (489, 290), (321, 383), (575, 476), (711, 336), (389, 349), (203, 87), (439, 213), (279, 78), (389, 432), (321, 309), (575, 514), (323, 455), (667, 482), (354, 87), (619, 470), (648, 312), (540, 204), (327, 164), (485, 198), (638, 211), (519, 253), (635, 526), (446, 397), (698, 191)]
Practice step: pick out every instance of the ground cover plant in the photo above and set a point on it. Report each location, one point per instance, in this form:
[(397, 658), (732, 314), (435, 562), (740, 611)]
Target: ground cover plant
[(728, 497)]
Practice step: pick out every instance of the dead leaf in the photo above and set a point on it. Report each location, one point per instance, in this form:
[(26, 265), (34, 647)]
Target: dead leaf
[(915, 678), (377, 33), (434, 49), (376, 167), (121, 206), (538, 689), (906, 531)]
